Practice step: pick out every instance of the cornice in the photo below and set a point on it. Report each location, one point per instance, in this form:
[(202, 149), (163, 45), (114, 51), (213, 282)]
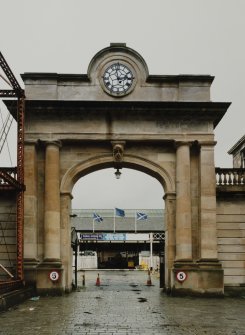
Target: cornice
[(190, 111)]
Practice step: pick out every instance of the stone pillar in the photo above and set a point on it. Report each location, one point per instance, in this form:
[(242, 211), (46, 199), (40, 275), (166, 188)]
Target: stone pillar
[(208, 233), (170, 245), (66, 250), (183, 203), (30, 200), (52, 203), (204, 276)]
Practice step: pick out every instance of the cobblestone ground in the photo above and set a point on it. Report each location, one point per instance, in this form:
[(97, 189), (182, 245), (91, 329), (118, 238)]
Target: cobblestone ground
[(122, 305)]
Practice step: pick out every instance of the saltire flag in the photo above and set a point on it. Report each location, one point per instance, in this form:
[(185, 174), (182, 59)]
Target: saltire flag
[(119, 212), (97, 217), (141, 216)]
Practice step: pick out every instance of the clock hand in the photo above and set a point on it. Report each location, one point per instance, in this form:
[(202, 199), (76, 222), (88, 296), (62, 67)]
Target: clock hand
[(123, 78), (120, 79)]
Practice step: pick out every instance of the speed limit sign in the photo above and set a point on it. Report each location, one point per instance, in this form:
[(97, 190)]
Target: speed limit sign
[(54, 275), (181, 276)]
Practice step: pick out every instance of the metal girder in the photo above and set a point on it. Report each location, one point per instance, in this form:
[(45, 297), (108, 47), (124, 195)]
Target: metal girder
[(8, 94), (9, 74), (20, 195), (19, 93), (8, 179)]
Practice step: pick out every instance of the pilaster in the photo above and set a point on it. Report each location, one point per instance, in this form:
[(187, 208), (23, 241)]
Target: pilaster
[(66, 250), (52, 203), (208, 231), (30, 200), (183, 203), (170, 235)]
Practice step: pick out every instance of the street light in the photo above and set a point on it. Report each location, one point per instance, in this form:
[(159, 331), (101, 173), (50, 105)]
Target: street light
[(118, 174)]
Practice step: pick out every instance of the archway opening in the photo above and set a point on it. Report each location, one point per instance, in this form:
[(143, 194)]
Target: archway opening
[(119, 222), (101, 189)]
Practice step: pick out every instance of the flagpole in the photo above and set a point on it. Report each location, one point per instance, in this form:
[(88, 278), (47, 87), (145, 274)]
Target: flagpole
[(151, 250), (114, 220), (135, 222)]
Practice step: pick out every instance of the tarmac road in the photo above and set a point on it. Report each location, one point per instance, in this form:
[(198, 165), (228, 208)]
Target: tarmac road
[(124, 305)]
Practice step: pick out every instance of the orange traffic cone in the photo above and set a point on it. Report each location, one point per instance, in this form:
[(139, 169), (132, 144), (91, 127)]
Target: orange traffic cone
[(98, 280), (149, 283)]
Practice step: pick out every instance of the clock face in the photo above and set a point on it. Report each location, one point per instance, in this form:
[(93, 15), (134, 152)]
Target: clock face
[(118, 79)]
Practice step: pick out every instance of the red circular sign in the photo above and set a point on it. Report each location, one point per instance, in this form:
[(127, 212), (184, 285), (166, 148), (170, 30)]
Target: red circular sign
[(181, 276), (54, 275)]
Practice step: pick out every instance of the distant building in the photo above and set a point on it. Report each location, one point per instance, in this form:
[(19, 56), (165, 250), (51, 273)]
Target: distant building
[(230, 214), (109, 241), (238, 153), (82, 220)]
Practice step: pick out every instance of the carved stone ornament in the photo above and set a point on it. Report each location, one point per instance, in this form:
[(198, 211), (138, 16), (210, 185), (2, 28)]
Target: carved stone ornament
[(118, 150)]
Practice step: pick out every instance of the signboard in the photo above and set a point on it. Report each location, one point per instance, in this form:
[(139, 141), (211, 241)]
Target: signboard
[(181, 276), (54, 275), (91, 237), (137, 237), (103, 237), (113, 237)]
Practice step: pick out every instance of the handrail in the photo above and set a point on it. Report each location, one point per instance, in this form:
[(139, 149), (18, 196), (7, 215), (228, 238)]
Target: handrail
[(6, 271), (230, 176)]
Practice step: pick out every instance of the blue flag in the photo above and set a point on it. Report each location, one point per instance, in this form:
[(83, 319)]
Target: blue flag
[(141, 216), (119, 212), (97, 217)]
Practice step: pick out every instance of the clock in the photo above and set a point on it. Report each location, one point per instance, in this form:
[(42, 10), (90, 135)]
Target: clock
[(118, 79)]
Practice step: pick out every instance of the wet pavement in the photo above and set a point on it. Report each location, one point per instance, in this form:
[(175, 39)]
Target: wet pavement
[(124, 305)]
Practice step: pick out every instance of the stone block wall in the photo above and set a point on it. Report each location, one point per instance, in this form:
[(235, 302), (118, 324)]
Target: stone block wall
[(231, 239)]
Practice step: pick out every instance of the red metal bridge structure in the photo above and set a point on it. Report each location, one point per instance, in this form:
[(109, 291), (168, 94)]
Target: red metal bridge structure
[(12, 178)]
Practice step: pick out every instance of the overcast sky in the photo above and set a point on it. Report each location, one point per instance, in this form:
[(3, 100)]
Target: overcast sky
[(173, 36)]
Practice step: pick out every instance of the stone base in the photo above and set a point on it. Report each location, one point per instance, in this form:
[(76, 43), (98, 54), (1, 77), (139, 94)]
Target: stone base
[(46, 286), (235, 291), (37, 274), (203, 278), (30, 271)]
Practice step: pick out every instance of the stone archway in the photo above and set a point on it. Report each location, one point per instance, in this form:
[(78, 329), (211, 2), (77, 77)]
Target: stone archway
[(130, 161), (119, 115), (103, 161)]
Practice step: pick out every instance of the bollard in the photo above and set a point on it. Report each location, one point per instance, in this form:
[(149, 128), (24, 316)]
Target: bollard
[(84, 280), (149, 283)]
